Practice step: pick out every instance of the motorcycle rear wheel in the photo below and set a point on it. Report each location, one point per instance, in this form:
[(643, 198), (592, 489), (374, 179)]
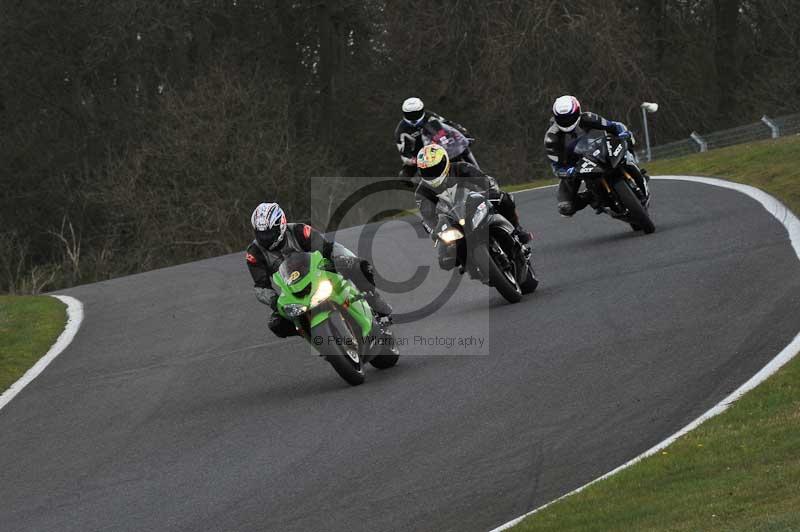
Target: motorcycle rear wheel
[(531, 282), (389, 353), (385, 361)]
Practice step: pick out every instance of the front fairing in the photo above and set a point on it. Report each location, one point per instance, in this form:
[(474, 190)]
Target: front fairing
[(449, 138), (598, 152), (297, 291), (453, 203)]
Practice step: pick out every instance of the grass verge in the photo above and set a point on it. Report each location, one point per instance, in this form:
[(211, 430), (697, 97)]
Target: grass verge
[(739, 471), (29, 325)]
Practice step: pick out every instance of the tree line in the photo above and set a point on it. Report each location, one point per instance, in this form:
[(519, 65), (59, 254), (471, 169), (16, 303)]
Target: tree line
[(138, 134)]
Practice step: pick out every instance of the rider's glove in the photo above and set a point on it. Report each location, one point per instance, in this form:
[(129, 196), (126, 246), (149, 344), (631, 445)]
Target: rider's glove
[(622, 131), (564, 172)]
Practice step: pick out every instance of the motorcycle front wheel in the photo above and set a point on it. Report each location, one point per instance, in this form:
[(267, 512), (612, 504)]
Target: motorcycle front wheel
[(501, 278), (638, 214), (338, 345)]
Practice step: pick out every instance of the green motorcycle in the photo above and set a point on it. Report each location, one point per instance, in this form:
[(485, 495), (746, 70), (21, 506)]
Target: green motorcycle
[(332, 315)]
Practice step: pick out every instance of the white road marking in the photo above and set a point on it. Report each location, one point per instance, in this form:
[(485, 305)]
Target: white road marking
[(792, 225), (74, 319)]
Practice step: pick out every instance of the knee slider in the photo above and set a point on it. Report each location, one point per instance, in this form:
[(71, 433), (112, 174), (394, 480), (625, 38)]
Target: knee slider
[(281, 327), (566, 208)]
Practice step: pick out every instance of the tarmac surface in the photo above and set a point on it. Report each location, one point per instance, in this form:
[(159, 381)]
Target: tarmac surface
[(174, 409)]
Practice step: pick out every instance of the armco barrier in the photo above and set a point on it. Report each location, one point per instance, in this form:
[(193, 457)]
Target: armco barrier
[(765, 128)]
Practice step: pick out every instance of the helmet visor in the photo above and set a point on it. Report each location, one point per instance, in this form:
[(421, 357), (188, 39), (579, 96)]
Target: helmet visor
[(268, 237), (413, 116), (568, 120), (437, 170)]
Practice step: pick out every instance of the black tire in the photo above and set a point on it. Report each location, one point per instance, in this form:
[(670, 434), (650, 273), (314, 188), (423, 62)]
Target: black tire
[(389, 353), (337, 355), (637, 211), (385, 361), (531, 282), (510, 291)]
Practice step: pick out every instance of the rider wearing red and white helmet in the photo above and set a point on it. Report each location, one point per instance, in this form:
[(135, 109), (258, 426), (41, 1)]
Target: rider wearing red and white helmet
[(275, 240), (567, 125)]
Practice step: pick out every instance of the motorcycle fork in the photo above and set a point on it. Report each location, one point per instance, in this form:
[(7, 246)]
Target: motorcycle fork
[(632, 181), (642, 194), (606, 186), (619, 209), (495, 246)]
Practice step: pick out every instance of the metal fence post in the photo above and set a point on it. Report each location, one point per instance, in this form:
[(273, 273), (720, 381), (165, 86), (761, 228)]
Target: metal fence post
[(646, 134), (699, 140), (776, 131)]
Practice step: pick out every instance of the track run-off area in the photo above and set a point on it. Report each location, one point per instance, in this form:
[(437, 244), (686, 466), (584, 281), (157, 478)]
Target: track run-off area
[(175, 409)]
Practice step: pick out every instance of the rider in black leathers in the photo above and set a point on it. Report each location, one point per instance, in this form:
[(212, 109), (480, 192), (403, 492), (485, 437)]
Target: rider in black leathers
[(420, 127), (568, 124), (275, 240), (438, 174)]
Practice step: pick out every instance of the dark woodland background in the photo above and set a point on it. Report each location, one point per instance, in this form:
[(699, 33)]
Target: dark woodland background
[(138, 134)]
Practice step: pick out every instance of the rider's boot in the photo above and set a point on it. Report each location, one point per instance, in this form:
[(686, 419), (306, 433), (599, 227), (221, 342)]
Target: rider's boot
[(379, 305), (585, 198), (523, 234)]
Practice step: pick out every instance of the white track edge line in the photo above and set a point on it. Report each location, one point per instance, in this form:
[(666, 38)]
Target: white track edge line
[(792, 225), (533, 188), (74, 319)]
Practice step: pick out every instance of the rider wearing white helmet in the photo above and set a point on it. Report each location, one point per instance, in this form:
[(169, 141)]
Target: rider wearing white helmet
[(419, 127), (275, 240), (569, 123)]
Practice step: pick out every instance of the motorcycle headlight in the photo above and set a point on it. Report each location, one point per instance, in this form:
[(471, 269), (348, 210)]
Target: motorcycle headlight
[(323, 292), (480, 214), (451, 235), (294, 311)]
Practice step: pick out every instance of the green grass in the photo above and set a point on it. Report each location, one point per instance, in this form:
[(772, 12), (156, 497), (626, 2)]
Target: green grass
[(770, 165), (29, 325), (739, 471)]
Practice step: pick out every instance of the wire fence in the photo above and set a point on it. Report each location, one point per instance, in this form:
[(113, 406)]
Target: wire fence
[(766, 128)]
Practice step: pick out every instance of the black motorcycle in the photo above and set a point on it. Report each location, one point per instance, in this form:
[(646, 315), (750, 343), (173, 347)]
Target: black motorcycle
[(601, 165), (474, 237)]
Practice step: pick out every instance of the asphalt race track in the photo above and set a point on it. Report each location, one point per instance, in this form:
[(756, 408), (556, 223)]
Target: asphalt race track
[(175, 410)]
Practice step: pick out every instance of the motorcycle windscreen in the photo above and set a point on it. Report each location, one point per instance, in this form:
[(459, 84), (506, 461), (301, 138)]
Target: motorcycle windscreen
[(592, 146), (617, 149), (295, 267), (452, 202)]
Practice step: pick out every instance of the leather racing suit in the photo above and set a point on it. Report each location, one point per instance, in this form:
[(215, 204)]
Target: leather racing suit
[(558, 146), (475, 179), (263, 263), (433, 128)]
